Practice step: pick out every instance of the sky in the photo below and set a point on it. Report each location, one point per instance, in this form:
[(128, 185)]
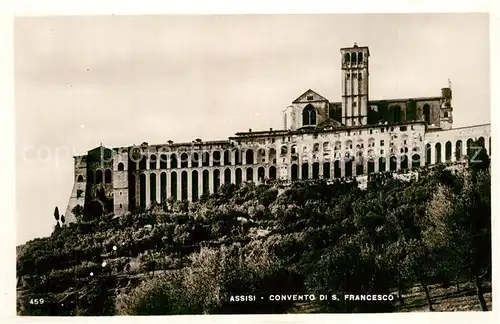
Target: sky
[(123, 80)]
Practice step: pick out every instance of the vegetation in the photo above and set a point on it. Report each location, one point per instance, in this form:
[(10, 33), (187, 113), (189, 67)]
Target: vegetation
[(394, 237)]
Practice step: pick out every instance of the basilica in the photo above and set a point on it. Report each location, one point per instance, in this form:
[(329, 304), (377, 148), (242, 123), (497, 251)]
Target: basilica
[(319, 139)]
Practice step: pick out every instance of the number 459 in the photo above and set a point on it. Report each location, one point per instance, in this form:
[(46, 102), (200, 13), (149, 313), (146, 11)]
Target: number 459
[(36, 301)]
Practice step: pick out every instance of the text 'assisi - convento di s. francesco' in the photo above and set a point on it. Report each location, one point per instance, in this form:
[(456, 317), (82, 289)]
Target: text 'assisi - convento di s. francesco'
[(365, 205)]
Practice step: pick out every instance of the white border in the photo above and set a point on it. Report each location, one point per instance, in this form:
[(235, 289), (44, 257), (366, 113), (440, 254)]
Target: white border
[(127, 7)]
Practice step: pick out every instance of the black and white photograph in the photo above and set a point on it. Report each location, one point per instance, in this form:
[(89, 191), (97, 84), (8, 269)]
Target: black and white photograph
[(243, 164)]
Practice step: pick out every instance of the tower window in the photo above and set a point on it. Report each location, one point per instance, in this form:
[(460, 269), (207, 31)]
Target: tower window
[(347, 58)]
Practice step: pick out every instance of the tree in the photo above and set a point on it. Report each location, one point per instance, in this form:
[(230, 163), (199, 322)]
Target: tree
[(56, 214), (460, 223)]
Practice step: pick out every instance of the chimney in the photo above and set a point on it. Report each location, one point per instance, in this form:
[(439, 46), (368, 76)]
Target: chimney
[(249, 130), (271, 129)]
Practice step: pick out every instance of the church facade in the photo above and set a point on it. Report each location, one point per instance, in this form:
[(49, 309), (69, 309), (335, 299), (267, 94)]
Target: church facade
[(319, 139)]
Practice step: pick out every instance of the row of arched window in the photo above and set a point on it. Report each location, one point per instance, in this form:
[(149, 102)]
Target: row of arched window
[(457, 150), (353, 58), (98, 177)]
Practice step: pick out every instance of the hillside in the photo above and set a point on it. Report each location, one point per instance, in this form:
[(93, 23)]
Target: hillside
[(417, 240)]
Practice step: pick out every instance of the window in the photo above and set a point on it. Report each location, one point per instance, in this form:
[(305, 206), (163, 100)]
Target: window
[(404, 142), (354, 103), (308, 116), (403, 128), (381, 142), (359, 76), (309, 97), (371, 131), (445, 114), (381, 152), (382, 130), (392, 129)]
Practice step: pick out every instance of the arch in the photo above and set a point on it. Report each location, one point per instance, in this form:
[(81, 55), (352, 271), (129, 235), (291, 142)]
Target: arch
[(272, 172), (195, 160), (360, 57), (272, 156), (227, 157), (108, 176), (338, 145), (206, 159), (184, 185), (337, 171), (309, 116), (216, 180), (152, 187), (152, 162), (163, 187), (142, 162), (142, 190), (237, 157), (249, 156), (90, 176), (95, 209), (249, 174), (415, 161), (470, 142), (403, 160), (227, 176), (382, 164), (261, 174), (428, 153), (458, 150), (98, 176), (360, 168), (348, 167), (305, 170), (438, 152), (239, 176), (326, 170), (294, 149), (447, 151), (163, 161), (80, 178), (393, 163), (205, 180), (284, 150), (354, 58), (315, 170), (480, 140), (194, 185), (132, 191), (216, 158), (294, 172), (184, 160), (173, 161), (347, 58), (173, 185), (316, 147), (427, 114), (371, 166), (121, 167)]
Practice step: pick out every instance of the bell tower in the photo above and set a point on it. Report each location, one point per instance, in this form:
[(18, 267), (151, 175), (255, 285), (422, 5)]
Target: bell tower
[(355, 85)]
